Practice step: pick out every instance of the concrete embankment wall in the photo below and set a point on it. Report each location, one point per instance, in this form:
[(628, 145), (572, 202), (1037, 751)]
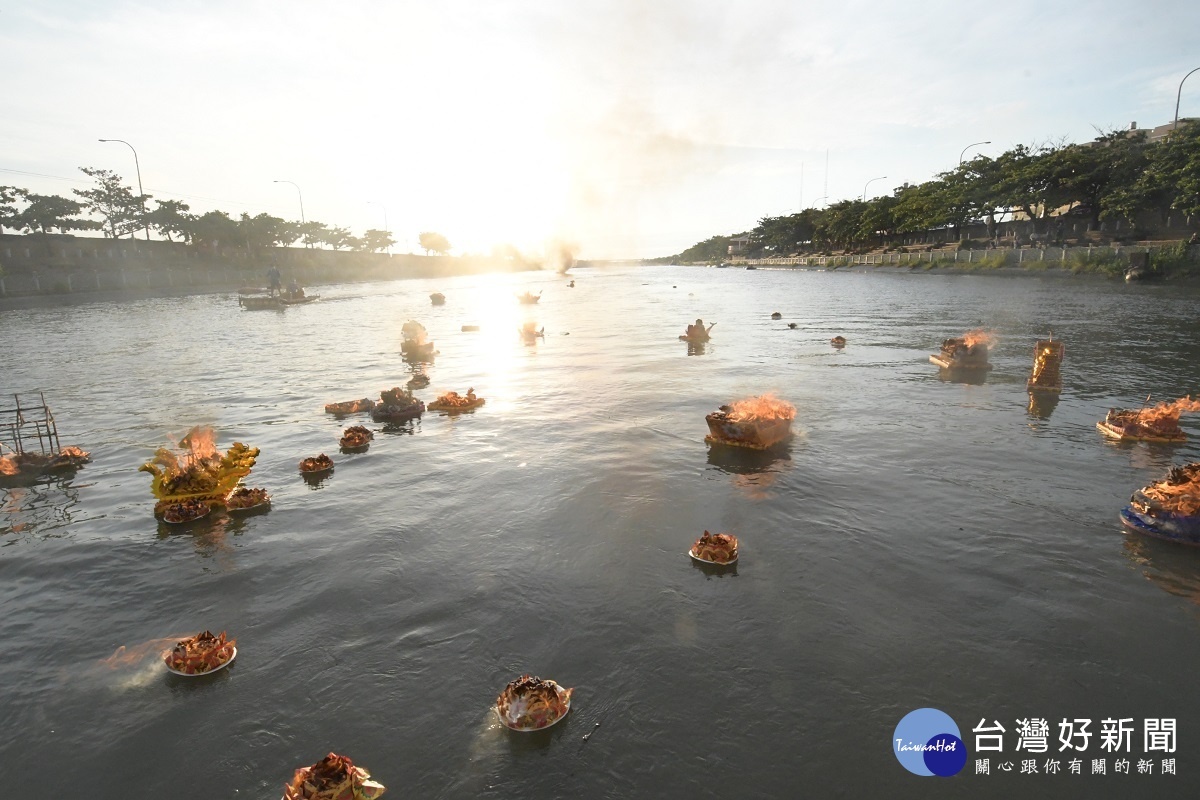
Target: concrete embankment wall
[(1024, 257), (31, 266)]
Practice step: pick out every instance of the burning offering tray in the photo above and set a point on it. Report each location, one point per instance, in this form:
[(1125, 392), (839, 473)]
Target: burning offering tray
[(350, 406), (756, 422), (1168, 509), (1047, 359), (532, 704), (199, 472), (452, 402), (968, 352), (202, 654), (356, 437), (1158, 423), (715, 548), (332, 778), (397, 405)]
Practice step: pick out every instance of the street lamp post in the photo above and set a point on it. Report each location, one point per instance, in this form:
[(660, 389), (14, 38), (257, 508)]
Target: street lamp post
[(141, 193), (868, 183), (819, 199), (301, 196), (1179, 94), (385, 223), (968, 147)]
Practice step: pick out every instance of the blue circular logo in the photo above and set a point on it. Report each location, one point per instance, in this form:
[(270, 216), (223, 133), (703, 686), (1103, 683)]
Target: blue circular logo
[(927, 742)]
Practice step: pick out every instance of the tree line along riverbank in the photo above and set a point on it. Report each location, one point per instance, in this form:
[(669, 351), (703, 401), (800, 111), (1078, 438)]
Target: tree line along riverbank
[(30, 266)]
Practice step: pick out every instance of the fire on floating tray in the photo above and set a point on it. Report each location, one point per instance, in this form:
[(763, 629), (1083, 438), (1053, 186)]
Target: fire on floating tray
[(715, 548), (332, 778), (1047, 359), (315, 464), (350, 406), (1168, 509), (397, 405), (756, 422), (1158, 423), (26, 464), (453, 401), (532, 704), (199, 472), (968, 352), (200, 654), (356, 436)]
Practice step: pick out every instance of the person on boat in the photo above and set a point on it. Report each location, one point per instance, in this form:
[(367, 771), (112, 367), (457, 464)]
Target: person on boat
[(294, 291), (698, 331), (273, 281)]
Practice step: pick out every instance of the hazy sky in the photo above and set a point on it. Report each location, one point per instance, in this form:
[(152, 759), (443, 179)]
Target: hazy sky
[(628, 127)]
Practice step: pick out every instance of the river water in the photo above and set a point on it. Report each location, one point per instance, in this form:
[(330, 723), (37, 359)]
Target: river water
[(921, 542)]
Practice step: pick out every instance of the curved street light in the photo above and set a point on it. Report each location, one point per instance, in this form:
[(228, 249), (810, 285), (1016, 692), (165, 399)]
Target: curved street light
[(1179, 94), (868, 183), (138, 167), (968, 147), (301, 196), (819, 199)]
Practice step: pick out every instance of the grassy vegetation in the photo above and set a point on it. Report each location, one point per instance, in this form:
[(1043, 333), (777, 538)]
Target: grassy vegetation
[(1104, 262)]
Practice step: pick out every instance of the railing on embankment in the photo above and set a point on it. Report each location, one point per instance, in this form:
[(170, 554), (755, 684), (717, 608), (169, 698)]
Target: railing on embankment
[(1026, 256)]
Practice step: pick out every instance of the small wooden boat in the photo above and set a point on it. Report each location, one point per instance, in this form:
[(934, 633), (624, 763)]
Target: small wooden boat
[(438, 299), (299, 301), (758, 435), (350, 406), (1047, 360), (528, 298), (260, 302)]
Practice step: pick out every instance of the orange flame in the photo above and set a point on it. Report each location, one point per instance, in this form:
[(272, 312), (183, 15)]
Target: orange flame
[(979, 336), (761, 409), (201, 444), (8, 466), (1167, 412)]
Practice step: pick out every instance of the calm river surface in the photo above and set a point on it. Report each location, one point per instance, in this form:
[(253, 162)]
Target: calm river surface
[(921, 542)]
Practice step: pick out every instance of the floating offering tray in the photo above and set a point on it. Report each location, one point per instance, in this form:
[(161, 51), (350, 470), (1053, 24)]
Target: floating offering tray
[(316, 464), (720, 549), (453, 402), (202, 654), (243, 499), (758, 434), (350, 406), (332, 778), (959, 354), (532, 704)]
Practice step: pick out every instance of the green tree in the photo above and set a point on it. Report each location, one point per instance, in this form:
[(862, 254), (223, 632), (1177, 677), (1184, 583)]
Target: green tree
[(434, 242), (8, 197), (171, 217), (214, 229), (313, 233), (121, 209), (375, 240), (713, 249), (45, 213), (337, 238), (265, 231)]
